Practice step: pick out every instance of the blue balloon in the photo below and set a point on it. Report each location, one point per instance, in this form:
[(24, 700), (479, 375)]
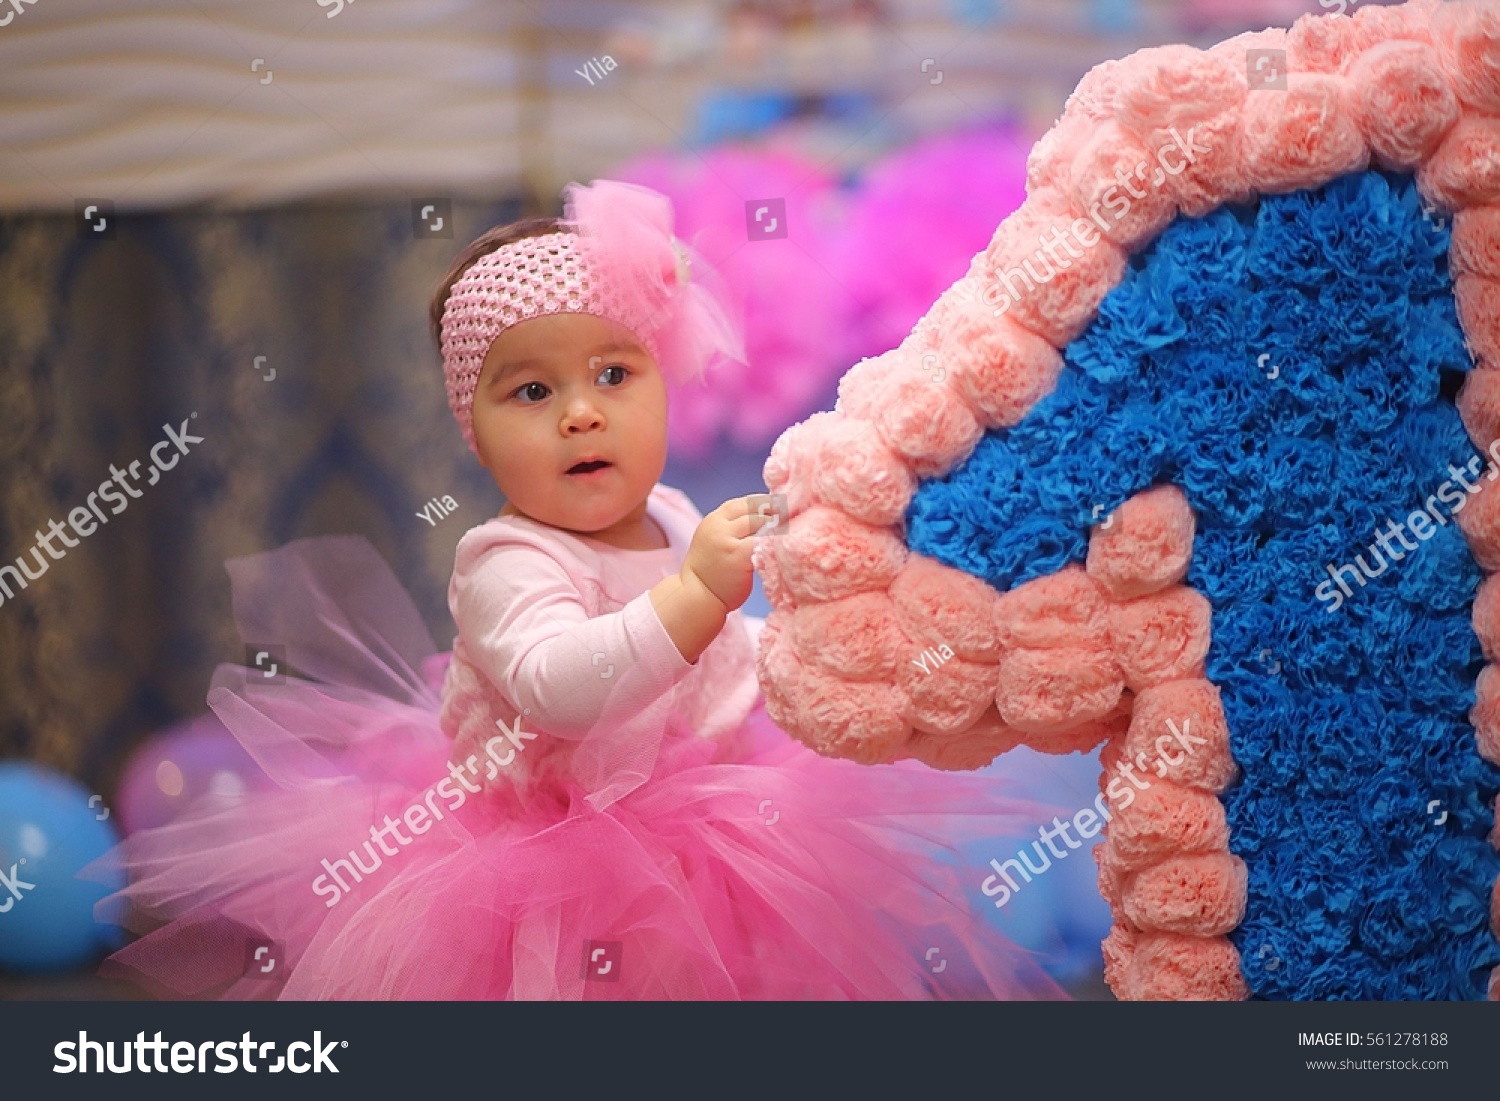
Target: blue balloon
[(50, 827)]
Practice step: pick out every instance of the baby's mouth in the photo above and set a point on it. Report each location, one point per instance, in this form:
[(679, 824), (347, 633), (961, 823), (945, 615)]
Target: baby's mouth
[(585, 468)]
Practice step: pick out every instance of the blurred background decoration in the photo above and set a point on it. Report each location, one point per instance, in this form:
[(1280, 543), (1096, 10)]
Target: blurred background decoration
[(793, 341), (239, 210)]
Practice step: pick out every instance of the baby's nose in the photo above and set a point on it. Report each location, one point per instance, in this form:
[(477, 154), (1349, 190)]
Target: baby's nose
[(582, 415)]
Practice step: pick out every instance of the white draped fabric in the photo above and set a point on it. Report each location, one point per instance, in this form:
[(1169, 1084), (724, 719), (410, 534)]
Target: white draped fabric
[(165, 103)]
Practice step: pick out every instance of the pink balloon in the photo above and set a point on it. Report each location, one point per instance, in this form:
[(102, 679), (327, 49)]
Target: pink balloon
[(917, 219), (172, 769)]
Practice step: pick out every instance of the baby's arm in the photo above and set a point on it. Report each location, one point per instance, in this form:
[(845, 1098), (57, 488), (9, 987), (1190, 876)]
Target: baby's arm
[(692, 615), (716, 576), (524, 624)]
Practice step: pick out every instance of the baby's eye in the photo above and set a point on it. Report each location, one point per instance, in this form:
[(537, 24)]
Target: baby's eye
[(531, 386), (624, 373)]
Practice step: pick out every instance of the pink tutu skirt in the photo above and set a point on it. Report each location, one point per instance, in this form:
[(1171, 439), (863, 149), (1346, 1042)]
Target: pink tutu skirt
[(367, 871)]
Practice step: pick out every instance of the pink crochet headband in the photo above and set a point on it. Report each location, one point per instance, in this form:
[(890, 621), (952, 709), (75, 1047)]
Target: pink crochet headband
[(619, 261)]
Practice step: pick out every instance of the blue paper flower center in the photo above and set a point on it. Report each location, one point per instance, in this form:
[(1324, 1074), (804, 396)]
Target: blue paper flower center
[(1292, 368)]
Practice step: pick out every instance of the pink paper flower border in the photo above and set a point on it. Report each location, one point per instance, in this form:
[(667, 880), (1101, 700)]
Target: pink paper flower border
[(878, 654)]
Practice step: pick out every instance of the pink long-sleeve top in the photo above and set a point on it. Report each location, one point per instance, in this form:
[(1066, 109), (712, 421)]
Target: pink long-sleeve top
[(557, 630)]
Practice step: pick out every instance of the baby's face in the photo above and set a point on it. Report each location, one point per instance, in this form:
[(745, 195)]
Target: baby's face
[(561, 388)]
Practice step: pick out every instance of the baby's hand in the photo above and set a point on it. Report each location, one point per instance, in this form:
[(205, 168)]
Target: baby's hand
[(719, 556)]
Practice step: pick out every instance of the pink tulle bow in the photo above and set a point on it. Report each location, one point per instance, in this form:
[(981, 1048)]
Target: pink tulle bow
[(627, 232)]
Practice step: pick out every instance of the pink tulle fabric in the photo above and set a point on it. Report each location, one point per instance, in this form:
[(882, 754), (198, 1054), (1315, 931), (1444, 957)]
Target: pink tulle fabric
[(745, 868)]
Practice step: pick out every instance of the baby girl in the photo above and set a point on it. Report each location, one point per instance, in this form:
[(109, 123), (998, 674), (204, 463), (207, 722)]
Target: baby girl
[(597, 805)]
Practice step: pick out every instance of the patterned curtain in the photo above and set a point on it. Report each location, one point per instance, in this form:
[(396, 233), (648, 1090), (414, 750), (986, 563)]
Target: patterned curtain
[(341, 427)]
